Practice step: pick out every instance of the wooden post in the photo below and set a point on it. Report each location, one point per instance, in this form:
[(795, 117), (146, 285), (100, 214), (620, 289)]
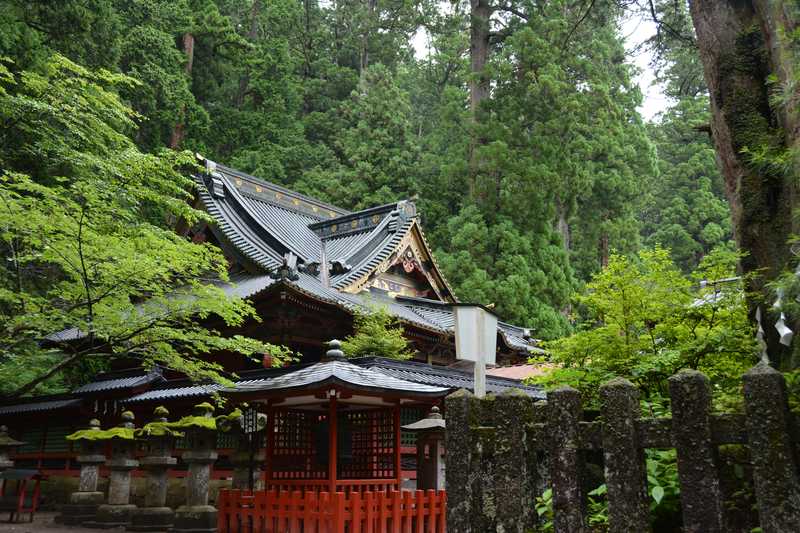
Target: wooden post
[(566, 468), (626, 475), (332, 445), (397, 463), (701, 495), (269, 445), (774, 465)]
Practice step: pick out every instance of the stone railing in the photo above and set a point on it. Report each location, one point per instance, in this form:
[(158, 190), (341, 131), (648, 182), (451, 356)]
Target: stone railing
[(500, 449)]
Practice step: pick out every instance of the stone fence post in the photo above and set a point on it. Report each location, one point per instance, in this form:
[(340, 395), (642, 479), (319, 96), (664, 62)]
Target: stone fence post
[(773, 454), (698, 468), (463, 414), (625, 467), (83, 504), (197, 516), (514, 471), (117, 512), (157, 440)]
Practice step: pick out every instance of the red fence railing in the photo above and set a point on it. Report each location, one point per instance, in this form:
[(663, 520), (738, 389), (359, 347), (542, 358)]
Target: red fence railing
[(295, 512), (347, 486)]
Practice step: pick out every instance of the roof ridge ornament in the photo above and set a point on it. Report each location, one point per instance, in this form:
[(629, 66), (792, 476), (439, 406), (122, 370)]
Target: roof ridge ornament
[(335, 352), (288, 269)]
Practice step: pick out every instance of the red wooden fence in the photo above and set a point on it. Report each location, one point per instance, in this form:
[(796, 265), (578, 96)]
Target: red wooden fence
[(295, 512)]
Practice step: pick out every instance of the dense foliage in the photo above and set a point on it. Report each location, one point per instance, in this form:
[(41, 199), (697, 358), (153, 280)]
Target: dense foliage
[(85, 227), (377, 333), (649, 321), (333, 99), (526, 188)]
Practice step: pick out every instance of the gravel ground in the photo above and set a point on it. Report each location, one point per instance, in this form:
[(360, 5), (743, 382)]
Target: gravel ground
[(43, 522)]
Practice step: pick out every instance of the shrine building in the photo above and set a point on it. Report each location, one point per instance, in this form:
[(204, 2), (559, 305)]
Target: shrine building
[(307, 267)]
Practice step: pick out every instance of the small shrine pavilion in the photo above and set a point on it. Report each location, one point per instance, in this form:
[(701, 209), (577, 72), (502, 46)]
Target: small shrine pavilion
[(333, 453), (334, 425)]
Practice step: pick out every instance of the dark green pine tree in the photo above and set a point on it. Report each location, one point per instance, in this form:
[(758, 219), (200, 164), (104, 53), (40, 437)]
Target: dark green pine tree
[(376, 147)]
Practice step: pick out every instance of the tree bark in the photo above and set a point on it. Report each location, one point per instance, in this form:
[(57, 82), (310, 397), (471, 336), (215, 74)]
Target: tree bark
[(562, 225), (244, 80), (480, 13), (740, 46), (178, 133), (364, 58)]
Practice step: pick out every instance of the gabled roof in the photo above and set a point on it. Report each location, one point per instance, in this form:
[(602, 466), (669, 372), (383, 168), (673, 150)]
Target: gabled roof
[(333, 254), (260, 223)]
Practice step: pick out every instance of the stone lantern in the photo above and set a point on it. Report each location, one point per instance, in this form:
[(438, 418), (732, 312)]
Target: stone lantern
[(7, 444), (83, 504), (430, 450), (249, 455), (117, 511), (157, 441), (197, 516)]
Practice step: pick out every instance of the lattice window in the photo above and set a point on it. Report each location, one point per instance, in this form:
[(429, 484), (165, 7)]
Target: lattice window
[(225, 440), (409, 415), (56, 439), (300, 445), (368, 449), (33, 439)]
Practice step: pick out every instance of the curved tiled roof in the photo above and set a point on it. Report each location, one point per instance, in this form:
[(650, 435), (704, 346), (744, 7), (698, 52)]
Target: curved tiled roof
[(339, 372), (263, 222), (34, 407)]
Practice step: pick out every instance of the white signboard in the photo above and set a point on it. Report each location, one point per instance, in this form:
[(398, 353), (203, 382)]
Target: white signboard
[(476, 341)]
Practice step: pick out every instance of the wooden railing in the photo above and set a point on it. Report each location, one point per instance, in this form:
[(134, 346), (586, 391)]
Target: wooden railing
[(346, 486), (295, 512)]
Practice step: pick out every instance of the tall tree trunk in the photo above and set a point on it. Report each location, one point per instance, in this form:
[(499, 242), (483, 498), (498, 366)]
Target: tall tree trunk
[(178, 133), (562, 225), (364, 59), (252, 34), (740, 46), (480, 13)]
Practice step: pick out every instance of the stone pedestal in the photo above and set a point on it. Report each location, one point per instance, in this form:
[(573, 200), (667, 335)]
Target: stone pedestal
[(197, 516), (117, 512), (83, 504), (158, 441)]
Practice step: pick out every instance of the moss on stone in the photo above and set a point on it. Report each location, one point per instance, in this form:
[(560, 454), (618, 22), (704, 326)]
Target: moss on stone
[(102, 434)]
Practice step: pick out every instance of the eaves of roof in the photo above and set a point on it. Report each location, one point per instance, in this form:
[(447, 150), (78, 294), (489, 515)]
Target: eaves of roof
[(229, 227), (40, 406), (174, 393), (269, 190), (113, 383), (342, 373), (443, 376)]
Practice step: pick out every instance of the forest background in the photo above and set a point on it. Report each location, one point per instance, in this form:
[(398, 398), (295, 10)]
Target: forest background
[(517, 132)]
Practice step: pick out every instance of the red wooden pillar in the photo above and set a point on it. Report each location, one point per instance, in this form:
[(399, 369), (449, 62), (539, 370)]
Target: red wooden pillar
[(269, 445), (398, 472), (332, 444)]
